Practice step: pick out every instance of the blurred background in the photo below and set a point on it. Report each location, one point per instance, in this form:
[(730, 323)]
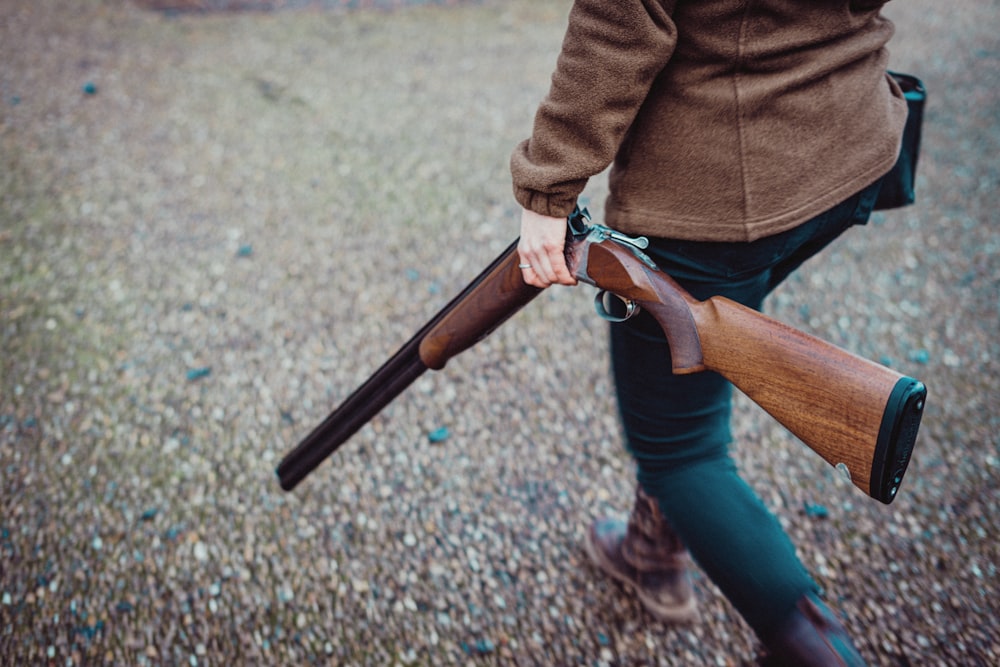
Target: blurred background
[(215, 224)]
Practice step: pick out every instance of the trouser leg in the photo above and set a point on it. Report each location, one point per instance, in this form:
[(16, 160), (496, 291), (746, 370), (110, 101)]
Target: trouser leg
[(681, 451), (677, 427)]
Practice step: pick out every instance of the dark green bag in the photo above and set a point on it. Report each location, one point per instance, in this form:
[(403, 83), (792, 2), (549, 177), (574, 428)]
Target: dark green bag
[(898, 185)]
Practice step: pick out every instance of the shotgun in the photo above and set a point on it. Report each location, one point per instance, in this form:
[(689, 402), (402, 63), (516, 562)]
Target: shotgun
[(859, 416)]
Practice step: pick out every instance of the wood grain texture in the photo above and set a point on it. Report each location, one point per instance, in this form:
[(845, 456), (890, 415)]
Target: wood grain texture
[(495, 297), (614, 268), (829, 398)]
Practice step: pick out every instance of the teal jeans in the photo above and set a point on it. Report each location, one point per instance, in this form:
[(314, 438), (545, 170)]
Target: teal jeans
[(677, 426)]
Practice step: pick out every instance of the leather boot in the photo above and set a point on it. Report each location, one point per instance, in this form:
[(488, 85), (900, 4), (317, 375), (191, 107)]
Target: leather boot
[(811, 637), (646, 554)]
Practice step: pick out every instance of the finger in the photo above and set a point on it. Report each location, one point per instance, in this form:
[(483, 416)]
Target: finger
[(543, 268), (560, 271), (532, 278), (527, 270), (524, 264), (551, 263)]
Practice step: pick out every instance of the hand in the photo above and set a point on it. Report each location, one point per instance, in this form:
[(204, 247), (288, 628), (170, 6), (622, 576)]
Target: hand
[(541, 247)]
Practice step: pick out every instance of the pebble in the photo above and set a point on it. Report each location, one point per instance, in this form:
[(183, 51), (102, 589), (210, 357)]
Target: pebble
[(484, 646), (816, 511), (438, 435), (199, 373)]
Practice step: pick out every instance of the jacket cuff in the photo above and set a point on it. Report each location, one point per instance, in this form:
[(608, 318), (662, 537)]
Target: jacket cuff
[(554, 206)]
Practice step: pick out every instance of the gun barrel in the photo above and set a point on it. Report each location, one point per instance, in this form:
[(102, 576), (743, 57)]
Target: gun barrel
[(455, 327), (357, 410)]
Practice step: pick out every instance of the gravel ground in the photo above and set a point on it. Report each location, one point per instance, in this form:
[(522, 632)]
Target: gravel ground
[(215, 225)]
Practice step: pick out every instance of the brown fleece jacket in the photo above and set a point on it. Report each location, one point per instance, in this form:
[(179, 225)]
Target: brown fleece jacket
[(727, 120)]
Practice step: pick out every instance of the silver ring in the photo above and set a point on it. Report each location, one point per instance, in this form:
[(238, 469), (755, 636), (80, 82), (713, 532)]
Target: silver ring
[(524, 266)]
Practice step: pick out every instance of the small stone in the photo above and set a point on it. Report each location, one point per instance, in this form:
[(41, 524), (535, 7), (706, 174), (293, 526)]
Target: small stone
[(89, 88), (816, 511), (438, 435), (198, 373), (951, 359), (484, 646)]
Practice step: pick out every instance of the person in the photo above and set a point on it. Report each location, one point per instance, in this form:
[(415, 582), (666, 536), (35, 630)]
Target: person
[(743, 138)]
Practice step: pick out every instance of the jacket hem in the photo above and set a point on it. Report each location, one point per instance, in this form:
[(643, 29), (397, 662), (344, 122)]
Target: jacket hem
[(633, 221)]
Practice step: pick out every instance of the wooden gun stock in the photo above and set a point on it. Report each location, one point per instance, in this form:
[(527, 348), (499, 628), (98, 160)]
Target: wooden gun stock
[(858, 415)]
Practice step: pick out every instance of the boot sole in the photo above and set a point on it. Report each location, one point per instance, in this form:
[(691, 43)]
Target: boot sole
[(677, 614)]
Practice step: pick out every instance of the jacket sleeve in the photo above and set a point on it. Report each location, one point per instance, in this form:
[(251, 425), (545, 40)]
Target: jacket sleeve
[(611, 54)]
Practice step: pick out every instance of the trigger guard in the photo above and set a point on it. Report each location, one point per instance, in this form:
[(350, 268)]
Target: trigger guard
[(600, 305)]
